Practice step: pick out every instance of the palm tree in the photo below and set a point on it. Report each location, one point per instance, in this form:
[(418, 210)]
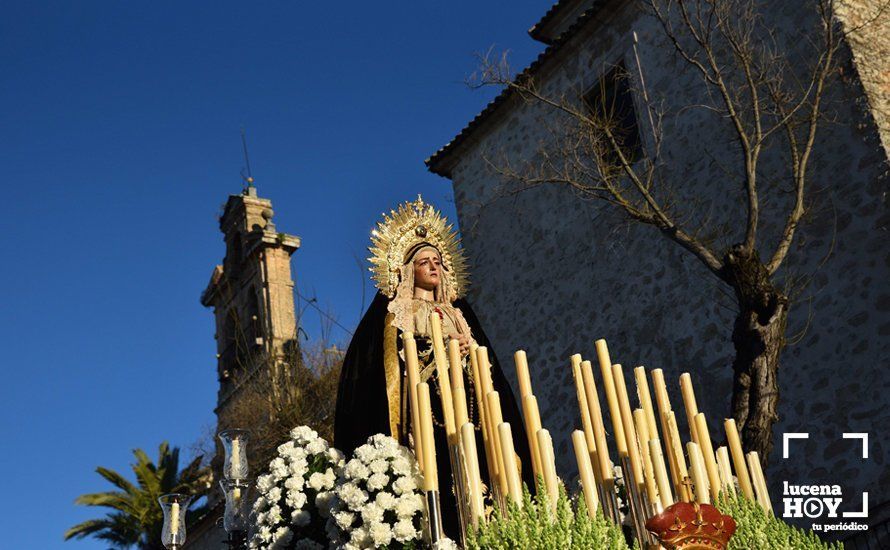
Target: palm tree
[(136, 518)]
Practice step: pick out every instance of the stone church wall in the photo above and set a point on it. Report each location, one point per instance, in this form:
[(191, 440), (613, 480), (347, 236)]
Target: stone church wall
[(552, 272)]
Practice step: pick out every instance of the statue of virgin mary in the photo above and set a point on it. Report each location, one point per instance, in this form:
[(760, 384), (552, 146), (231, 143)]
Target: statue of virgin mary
[(419, 268)]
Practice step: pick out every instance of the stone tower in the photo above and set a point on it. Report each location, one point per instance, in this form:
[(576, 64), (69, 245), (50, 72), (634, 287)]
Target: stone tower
[(251, 293)]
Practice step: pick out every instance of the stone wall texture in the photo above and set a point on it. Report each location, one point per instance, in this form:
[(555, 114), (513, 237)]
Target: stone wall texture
[(553, 272)]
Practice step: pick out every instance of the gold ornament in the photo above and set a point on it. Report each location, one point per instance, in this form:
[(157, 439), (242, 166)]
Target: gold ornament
[(401, 231)]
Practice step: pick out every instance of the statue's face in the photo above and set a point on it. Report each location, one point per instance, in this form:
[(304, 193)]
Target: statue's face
[(427, 269)]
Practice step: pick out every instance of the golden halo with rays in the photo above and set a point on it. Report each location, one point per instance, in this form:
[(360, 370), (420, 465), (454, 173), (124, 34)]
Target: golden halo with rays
[(410, 224)]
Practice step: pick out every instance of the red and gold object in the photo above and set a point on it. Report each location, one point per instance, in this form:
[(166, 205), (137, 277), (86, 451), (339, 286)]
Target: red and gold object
[(692, 526)]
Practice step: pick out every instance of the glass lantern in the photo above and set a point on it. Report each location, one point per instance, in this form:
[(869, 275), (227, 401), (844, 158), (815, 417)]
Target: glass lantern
[(237, 500), (174, 506), (235, 445)]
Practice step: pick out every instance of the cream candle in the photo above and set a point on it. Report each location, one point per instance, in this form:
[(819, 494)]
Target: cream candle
[(707, 449), (602, 353), (532, 425), (699, 477), (627, 422), (514, 486), (550, 478), (689, 403), (471, 460), (430, 469), (588, 483), (443, 377), (596, 420), (661, 476), (174, 518), (413, 370), (738, 458)]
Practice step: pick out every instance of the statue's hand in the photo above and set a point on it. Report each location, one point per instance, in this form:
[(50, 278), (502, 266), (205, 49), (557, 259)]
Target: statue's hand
[(464, 342)]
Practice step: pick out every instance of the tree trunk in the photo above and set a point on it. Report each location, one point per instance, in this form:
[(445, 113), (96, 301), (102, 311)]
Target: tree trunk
[(759, 338)]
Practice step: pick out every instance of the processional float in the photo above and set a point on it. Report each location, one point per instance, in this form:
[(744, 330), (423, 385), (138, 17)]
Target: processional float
[(664, 490)]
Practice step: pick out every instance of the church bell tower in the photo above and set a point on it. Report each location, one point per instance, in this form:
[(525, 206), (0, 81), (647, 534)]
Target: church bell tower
[(251, 293)]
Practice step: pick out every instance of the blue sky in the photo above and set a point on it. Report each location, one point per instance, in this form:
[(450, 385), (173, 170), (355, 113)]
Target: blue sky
[(119, 142)]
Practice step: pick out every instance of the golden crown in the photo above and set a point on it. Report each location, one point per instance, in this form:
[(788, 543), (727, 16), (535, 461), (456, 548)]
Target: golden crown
[(411, 224)]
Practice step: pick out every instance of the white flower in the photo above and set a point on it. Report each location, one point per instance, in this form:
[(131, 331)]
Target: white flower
[(296, 499), (379, 466), (352, 495), (316, 447), (366, 453), (360, 537), (274, 495), (404, 530), (278, 468), (304, 433), (446, 544), (372, 513), (282, 537), (385, 500), (378, 481), (275, 514), (294, 483), (264, 483), (265, 533), (344, 519), (401, 466), (408, 505), (404, 485), (356, 470), (381, 534)]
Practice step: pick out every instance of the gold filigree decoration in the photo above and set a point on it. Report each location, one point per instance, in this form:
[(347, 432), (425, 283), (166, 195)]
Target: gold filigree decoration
[(411, 224)]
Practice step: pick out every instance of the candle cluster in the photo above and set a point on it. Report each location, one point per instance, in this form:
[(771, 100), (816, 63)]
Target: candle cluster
[(646, 439)]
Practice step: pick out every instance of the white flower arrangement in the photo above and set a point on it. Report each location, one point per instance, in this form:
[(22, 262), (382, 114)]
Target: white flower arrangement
[(295, 497), (378, 501)]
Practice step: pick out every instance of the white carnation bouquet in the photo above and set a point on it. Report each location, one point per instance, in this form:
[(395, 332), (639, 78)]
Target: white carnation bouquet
[(378, 501), (295, 497)]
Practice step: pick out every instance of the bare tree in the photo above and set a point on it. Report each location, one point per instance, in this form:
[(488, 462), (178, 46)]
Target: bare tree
[(272, 393), (767, 98)]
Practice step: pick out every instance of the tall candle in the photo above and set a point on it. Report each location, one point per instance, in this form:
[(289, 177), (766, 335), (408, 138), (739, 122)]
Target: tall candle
[(738, 458), (627, 422), (725, 470), (525, 382), (699, 477), (550, 479), (675, 447), (442, 376), (236, 456), (410, 346), (648, 469), (476, 353), (661, 476), (689, 402), (588, 484), (581, 394), (663, 403), (596, 419), (514, 486), (532, 425), (174, 518), (471, 460), (602, 353), (759, 481), (430, 469), (493, 401), (646, 401), (707, 449)]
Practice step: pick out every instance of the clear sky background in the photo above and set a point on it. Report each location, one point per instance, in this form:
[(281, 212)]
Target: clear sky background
[(119, 142)]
